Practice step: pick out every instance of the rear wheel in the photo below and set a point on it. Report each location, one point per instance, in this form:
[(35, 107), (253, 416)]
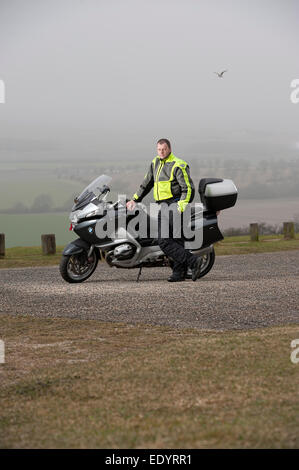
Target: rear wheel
[(208, 260), (78, 267)]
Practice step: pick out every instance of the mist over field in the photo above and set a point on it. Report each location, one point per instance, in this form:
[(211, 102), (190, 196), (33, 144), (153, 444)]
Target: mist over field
[(91, 86)]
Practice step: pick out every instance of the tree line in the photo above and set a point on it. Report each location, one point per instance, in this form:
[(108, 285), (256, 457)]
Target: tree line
[(43, 203)]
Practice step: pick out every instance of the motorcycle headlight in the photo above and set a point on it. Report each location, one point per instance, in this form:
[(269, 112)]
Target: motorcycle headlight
[(74, 219), (92, 213)]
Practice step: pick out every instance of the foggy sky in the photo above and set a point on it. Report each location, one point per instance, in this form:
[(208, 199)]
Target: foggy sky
[(110, 77)]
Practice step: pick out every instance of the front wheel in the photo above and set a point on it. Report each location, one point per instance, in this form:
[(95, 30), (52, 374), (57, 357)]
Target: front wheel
[(78, 267)]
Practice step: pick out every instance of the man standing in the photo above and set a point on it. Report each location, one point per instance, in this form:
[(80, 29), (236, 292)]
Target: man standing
[(170, 178)]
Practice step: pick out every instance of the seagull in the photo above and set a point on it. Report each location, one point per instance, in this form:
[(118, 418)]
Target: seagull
[(220, 75)]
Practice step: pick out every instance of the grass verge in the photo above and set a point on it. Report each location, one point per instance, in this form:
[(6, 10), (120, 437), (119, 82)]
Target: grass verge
[(267, 243), (18, 257), (73, 383)]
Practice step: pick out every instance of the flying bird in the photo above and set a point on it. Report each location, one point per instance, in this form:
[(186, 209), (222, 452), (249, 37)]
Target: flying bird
[(220, 75)]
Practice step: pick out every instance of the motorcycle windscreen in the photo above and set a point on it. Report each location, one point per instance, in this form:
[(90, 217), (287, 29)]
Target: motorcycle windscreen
[(94, 189)]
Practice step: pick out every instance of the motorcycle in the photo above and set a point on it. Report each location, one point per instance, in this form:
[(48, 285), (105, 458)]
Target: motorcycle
[(123, 250)]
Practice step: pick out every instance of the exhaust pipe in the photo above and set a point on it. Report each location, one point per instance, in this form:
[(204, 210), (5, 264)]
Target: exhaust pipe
[(202, 251)]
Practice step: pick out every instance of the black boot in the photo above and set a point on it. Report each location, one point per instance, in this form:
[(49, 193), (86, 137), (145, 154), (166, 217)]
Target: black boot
[(176, 277), (196, 269)]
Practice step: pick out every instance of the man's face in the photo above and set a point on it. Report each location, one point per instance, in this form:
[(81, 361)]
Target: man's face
[(163, 150)]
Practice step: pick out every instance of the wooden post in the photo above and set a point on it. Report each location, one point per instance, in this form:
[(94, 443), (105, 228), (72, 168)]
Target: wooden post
[(48, 244), (288, 230), (254, 232), (2, 245)]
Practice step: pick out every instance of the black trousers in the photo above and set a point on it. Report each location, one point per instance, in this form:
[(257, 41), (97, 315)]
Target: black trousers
[(170, 243)]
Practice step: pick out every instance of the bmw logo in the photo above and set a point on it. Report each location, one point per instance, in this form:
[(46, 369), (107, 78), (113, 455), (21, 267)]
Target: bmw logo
[(90, 229)]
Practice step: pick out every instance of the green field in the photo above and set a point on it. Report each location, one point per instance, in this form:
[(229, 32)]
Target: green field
[(24, 187), (26, 229), (24, 181)]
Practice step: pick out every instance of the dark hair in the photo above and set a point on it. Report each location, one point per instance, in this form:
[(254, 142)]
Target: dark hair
[(164, 141)]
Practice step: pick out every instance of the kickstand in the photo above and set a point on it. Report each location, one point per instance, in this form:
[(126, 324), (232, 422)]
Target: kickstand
[(138, 276)]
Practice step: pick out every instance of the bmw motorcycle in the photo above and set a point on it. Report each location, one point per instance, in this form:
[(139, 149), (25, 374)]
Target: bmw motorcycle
[(123, 250)]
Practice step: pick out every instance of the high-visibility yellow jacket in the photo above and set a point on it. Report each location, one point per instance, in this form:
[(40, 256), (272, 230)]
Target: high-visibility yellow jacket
[(170, 179)]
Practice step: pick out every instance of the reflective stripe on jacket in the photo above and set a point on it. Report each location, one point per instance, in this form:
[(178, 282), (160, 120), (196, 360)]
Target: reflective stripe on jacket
[(170, 178)]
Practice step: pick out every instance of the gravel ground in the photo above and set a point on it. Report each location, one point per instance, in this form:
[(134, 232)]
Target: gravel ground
[(240, 292)]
